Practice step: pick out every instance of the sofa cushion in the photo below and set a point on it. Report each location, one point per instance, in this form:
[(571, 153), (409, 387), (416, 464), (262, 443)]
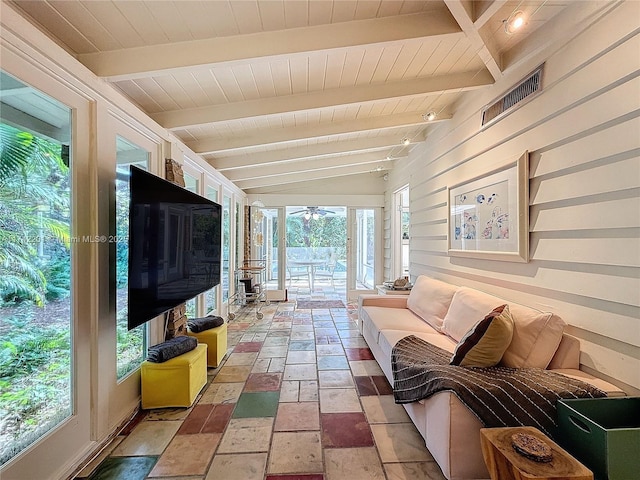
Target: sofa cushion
[(388, 339), (430, 300), (486, 342), (536, 336), (467, 307), (379, 318)]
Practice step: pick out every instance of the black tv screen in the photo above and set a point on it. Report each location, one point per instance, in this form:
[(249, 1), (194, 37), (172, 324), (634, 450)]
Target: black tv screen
[(174, 245)]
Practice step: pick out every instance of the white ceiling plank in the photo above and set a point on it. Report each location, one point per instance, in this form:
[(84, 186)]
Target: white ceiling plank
[(83, 22), (176, 91), (319, 12), (329, 98), (333, 73), (246, 82), (388, 58), (412, 6), (140, 96), (148, 60), (317, 150), (212, 145), (491, 8), (352, 63), (272, 15), (145, 23), (477, 43), (199, 15), (367, 9), (299, 72), (169, 17), (296, 14), (209, 84), (228, 83), (222, 18), (115, 22), (317, 72), (370, 62), (264, 79), (344, 11), (158, 93), (389, 8), (247, 16)]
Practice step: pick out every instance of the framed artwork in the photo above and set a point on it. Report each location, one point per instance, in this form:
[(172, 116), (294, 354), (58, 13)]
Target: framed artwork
[(489, 215)]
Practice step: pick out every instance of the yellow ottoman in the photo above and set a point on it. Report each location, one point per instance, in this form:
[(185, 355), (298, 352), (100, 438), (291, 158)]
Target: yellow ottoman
[(176, 382), (216, 340)]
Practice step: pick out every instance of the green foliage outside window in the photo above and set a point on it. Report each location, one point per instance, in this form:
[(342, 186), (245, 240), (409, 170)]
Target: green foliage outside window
[(35, 284)]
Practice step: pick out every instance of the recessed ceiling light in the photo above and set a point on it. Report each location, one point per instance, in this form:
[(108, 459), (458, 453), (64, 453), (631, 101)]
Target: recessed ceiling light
[(429, 116), (406, 141), (389, 157), (515, 21)]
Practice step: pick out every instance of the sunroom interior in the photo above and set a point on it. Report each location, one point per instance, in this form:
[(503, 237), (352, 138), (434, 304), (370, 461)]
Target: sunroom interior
[(332, 134)]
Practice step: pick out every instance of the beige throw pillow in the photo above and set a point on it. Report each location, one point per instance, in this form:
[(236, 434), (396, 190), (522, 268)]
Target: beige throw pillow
[(485, 343)]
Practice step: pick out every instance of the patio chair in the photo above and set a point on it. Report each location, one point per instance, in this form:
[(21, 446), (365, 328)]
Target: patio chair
[(298, 271), (326, 271)]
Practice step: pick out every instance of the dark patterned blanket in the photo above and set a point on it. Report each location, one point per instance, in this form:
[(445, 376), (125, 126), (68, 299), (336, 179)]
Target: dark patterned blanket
[(498, 396)]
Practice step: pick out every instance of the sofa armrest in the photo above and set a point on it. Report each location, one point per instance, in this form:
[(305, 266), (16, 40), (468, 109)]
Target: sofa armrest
[(567, 355), (389, 301)]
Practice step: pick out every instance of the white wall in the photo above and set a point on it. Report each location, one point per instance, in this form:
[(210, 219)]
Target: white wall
[(583, 135)]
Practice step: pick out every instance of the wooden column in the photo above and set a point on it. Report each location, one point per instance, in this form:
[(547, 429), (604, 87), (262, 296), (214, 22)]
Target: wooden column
[(176, 318)]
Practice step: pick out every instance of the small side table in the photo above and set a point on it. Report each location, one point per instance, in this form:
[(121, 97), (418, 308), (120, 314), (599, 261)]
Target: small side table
[(382, 290), (504, 463)]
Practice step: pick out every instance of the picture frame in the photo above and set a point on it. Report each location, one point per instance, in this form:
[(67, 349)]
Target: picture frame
[(489, 215)]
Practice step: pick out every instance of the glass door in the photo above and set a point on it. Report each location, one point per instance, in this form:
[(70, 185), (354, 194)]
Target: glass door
[(46, 273), (364, 252)]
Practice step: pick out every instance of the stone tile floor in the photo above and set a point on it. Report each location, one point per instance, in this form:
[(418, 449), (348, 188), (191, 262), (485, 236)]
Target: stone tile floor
[(297, 397)]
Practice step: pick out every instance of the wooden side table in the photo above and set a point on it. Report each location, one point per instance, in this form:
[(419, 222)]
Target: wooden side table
[(504, 463)]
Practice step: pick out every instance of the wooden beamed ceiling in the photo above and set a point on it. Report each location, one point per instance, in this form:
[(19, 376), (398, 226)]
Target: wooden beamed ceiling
[(279, 92)]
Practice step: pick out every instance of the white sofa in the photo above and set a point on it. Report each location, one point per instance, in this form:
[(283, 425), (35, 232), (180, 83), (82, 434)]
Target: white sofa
[(441, 314)]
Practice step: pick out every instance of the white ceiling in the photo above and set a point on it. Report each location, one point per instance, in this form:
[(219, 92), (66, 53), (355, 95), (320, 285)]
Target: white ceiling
[(274, 92)]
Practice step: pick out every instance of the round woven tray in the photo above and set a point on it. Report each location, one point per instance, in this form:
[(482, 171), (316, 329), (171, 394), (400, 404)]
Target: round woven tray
[(531, 447)]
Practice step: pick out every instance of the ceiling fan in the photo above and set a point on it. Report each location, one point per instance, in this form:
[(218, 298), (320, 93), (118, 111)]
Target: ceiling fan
[(312, 212)]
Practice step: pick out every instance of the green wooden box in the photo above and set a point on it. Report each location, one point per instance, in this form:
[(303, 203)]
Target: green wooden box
[(603, 434)]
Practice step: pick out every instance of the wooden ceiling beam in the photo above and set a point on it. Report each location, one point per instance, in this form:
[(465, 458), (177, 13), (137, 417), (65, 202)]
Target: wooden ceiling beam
[(488, 56), (360, 94), (296, 177), (212, 145), (140, 62), (309, 165), (257, 159)]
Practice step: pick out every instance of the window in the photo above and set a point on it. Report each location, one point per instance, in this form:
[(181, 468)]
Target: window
[(226, 244), (36, 360), (210, 297), (131, 345)]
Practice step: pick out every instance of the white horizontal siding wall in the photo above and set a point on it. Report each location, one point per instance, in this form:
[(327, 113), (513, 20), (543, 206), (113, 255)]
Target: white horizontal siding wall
[(583, 135)]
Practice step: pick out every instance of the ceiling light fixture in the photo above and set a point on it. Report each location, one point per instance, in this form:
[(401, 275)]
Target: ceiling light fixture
[(389, 157), (406, 141), (515, 21), (429, 116)]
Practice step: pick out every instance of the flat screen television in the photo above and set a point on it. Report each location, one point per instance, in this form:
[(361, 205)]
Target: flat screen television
[(174, 245)]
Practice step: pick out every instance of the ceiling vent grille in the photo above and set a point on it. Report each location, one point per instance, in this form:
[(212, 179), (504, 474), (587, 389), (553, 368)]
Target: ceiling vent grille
[(527, 87)]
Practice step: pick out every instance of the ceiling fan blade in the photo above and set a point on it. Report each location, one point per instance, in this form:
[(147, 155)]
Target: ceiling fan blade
[(299, 211)]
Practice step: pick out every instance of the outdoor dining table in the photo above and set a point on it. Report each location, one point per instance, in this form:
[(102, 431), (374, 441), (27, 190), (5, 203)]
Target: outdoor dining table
[(311, 267)]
